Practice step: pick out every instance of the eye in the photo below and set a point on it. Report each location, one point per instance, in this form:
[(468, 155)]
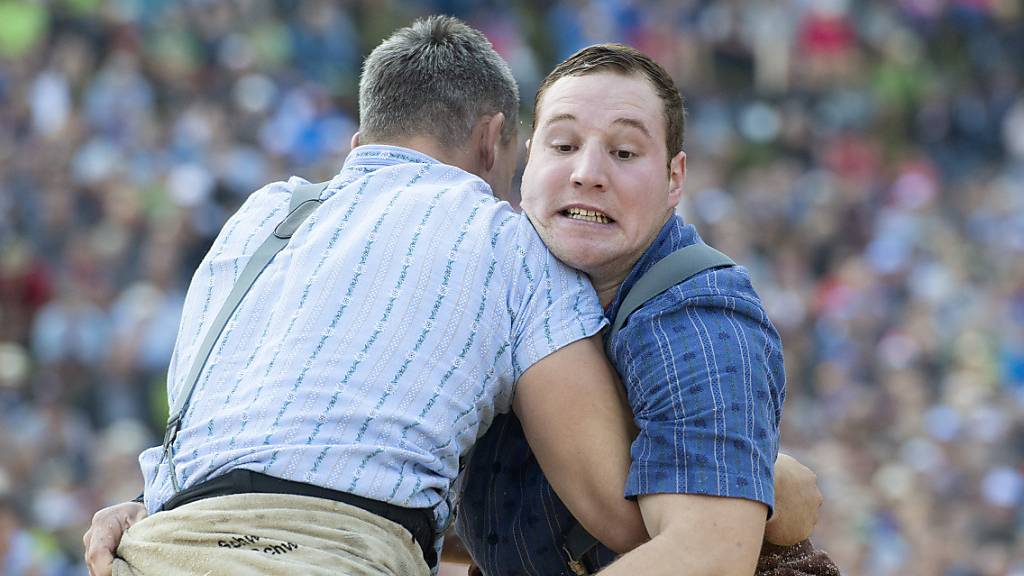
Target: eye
[(624, 154), (564, 148)]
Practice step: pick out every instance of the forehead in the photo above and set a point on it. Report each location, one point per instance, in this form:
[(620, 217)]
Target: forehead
[(600, 99)]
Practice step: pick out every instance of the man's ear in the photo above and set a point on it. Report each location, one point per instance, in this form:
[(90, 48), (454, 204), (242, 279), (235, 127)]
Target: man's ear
[(528, 142), (490, 139), (676, 177), (354, 142)]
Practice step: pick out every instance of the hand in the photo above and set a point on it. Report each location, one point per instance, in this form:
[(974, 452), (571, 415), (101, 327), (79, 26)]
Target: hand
[(797, 500), (103, 537)]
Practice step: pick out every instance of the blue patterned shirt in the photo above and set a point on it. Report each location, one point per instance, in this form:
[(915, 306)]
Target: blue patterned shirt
[(703, 369), (378, 344)]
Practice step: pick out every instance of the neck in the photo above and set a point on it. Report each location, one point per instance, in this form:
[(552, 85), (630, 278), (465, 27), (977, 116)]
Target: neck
[(607, 280), (607, 283)]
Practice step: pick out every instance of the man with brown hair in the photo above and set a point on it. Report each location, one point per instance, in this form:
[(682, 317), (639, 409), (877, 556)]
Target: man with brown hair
[(701, 362)]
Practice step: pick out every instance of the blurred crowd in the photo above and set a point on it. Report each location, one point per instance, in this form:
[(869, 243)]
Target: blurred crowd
[(864, 158)]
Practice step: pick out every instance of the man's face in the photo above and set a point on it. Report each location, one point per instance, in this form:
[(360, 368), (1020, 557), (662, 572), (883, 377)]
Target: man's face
[(598, 184)]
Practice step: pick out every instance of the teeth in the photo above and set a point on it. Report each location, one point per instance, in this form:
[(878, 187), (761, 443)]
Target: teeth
[(587, 215)]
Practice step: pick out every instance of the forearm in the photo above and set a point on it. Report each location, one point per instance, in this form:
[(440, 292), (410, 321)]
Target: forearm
[(667, 555), (696, 535)]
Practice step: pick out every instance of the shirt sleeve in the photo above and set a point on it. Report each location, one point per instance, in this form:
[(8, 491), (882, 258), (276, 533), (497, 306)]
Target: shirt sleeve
[(554, 306), (706, 382)]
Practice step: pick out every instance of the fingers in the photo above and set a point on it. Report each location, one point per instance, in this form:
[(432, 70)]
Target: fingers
[(100, 562), (104, 536), (102, 540)]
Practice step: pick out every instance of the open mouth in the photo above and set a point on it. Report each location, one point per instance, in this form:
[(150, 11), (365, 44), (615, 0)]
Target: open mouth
[(587, 215)]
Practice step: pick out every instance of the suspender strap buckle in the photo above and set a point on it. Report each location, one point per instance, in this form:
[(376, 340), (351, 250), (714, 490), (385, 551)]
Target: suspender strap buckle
[(577, 543), (576, 565), (295, 218), (173, 426)]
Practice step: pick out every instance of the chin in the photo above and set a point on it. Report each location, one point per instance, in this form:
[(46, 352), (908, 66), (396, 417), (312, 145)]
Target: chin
[(586, 258)]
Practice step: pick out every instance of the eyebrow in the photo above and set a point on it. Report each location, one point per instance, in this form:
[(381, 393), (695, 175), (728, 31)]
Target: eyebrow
[(630, 122)]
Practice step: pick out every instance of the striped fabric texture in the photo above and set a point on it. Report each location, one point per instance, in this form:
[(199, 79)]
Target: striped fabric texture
[(703, 369), (379, 344)]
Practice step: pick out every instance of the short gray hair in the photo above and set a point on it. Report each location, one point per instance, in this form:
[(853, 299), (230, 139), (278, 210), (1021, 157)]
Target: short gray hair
[(436, 77)]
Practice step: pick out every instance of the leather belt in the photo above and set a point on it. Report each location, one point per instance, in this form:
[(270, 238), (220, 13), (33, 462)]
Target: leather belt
[(418, 521)]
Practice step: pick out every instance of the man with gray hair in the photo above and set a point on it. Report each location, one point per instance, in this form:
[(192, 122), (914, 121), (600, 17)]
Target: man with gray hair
[(322, 398)]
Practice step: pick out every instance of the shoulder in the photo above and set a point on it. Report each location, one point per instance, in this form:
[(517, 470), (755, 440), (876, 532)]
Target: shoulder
[(538, 264), (515, 236), (715, 310), (274, 192), (260, 210), (726, 288), (728, 281)]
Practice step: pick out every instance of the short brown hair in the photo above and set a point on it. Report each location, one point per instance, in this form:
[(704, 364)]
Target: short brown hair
[(625, 60)]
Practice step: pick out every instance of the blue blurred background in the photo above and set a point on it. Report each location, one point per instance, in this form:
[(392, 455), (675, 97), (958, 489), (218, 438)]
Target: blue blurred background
[(864, 158)]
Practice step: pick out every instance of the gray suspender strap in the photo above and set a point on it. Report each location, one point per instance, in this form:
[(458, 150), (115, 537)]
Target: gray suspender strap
[(305, 200), (674, 269)]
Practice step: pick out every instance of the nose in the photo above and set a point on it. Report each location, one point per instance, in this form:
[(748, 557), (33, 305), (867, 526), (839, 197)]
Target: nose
[(589, 170)]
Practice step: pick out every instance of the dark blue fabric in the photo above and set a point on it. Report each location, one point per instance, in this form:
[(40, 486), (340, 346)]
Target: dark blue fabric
[(703, 368)]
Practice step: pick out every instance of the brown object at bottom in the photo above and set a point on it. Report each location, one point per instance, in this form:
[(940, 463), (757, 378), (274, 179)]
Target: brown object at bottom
[(801, 559)]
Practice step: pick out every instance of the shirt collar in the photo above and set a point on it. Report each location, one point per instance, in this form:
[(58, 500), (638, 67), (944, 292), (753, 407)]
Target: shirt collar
[(373, 156)]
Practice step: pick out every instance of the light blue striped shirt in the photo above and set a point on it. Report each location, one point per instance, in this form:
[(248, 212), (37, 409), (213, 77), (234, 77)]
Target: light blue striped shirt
[(379, 344)]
